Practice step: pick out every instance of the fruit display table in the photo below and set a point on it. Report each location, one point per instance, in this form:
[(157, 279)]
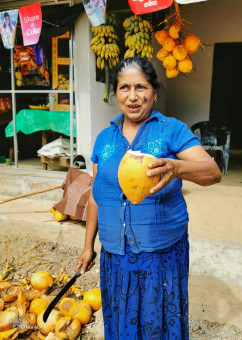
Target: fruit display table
[(29, 121)]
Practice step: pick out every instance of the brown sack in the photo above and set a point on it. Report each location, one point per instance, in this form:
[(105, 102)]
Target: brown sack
[(77, 188)]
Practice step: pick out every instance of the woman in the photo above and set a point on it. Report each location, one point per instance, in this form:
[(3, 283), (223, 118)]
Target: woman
[(144, 256), (7, 30)]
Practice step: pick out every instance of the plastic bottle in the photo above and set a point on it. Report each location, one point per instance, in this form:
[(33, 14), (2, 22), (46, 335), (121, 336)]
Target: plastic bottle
[(52, 101)]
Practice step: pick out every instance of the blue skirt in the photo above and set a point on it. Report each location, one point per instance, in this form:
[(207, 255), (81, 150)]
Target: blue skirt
[(145, 295)]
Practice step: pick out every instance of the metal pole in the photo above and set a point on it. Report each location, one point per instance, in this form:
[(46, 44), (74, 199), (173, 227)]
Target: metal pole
[(71, 93), (36, 91), (15, 140)]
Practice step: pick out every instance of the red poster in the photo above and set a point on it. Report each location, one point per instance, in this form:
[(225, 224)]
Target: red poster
[(147, 6), (31, 23)]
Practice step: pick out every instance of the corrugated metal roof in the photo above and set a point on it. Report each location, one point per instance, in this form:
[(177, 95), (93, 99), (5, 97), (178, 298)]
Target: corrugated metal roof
[(11, 4)]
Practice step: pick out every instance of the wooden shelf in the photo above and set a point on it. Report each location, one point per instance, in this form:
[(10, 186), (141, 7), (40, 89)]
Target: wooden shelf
[(59, 161)]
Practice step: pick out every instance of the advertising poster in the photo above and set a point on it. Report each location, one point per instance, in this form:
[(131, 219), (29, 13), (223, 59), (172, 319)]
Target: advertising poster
[(147, 6), (8, 25), (31, 23), (96, 11)]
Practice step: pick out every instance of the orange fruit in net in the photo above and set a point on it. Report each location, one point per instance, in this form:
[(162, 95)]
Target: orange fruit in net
[(174, 31), (162, 54), (161, 35), (169, 62), (172, 73), (180, 52), (191, 43), (185, 66), (169, 44)]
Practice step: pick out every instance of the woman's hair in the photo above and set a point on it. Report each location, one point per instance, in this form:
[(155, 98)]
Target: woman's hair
[(10, 25), (142, 64)]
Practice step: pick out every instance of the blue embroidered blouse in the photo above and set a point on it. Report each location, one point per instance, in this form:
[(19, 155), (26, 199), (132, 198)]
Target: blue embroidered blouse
[(161, 219)]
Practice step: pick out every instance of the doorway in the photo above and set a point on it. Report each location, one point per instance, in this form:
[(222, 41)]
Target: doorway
[(226, 93)]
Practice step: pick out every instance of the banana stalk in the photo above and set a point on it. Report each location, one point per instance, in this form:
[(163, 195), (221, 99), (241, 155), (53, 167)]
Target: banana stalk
[(107, 82)]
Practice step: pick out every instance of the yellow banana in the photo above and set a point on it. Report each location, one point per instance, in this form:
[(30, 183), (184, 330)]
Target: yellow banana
[(99, 62), (102, 64), (127, 53)]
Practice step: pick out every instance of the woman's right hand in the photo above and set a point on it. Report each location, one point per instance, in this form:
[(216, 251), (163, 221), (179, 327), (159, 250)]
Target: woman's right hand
[(83, 261)]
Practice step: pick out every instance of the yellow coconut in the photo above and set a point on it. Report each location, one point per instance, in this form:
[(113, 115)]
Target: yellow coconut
[(7, 318), (185, 66), (66, 328), (5, 284), (28, 321), (169, 44), (82, 311), (174, 31), (22, 303), (180, 52), (162, 54), (132, 176), (41, 336), (42, 280), (1, 304), (93, 297), (169, 62), (38, 305), (8, 333), (65, 305), (59, 216), (48, 326), (172, 73), (161, 35), (9, 294), (34, 336), (192, 43)]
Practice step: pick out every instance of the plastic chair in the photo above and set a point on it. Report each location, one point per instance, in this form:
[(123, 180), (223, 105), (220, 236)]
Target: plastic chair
[(214, 137)]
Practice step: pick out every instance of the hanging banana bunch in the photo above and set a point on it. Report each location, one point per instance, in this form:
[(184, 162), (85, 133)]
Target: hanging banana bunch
[(104, 43), (138, 37)]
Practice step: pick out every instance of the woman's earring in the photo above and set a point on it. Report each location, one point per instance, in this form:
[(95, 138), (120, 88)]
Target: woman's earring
[(155, 100)]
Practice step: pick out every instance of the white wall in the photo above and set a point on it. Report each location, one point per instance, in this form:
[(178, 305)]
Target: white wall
[(214, 21), (92, 113)]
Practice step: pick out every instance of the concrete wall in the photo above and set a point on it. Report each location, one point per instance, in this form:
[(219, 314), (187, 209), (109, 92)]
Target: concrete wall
[(214, 21)]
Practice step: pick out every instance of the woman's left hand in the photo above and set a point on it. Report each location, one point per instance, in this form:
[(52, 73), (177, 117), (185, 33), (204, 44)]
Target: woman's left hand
[(166, 168)]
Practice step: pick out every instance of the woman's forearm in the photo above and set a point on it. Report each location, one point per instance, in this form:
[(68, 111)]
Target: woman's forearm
[(193, 164), (203, 173), (91, 224)]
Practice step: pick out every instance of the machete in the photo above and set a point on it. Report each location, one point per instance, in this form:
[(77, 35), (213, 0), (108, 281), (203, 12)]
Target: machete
[(64, 290)]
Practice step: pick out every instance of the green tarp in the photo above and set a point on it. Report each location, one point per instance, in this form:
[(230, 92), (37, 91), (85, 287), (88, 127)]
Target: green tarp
[(29, 121)]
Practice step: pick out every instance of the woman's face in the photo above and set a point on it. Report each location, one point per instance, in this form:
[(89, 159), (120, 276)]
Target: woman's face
[(6, 20), (135, 95)]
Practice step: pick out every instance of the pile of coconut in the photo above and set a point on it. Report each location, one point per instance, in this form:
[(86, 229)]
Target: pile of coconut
[(22, 307)]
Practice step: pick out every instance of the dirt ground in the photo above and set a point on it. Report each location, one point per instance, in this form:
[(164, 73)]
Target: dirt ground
[(215, 286), (53, 257)]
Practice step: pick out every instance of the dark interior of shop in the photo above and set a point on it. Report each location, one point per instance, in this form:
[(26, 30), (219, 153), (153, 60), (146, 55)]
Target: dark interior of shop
[(56, 21)]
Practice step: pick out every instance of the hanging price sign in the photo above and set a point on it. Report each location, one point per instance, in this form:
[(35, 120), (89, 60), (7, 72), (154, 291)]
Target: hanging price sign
[(147, 6), (31, 23)]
